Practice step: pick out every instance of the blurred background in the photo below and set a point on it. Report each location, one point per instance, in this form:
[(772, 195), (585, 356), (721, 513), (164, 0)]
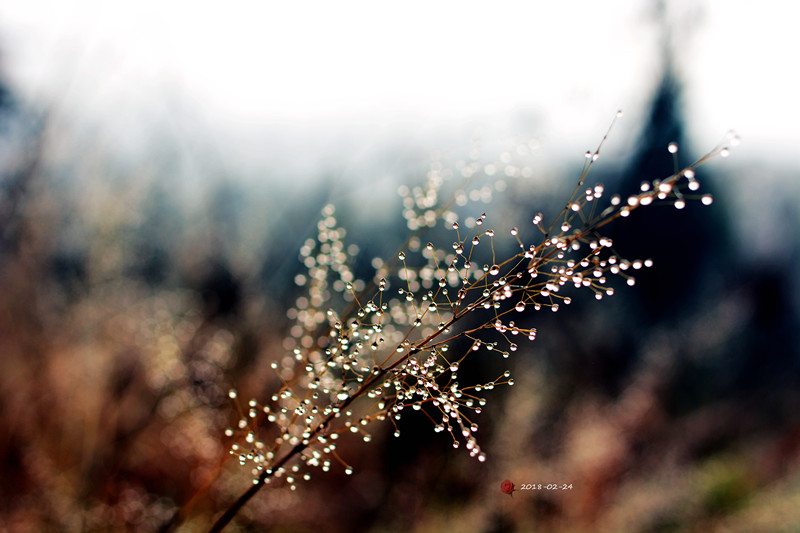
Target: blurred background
[(161, 164)]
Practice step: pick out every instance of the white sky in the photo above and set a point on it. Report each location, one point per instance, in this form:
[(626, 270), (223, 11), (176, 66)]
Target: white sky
[(322, 68)]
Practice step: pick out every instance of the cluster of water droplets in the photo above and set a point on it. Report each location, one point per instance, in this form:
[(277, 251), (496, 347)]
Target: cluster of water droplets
[(363, 352)]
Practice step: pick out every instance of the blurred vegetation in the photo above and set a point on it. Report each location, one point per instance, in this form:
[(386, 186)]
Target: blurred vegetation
[(127, 311)]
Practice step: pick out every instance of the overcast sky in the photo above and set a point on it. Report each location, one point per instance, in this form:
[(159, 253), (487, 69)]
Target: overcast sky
[(324, 69)]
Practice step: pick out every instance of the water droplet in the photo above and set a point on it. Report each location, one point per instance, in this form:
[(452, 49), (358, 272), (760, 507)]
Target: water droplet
[(673, 148), (520, 307), (401, 256)]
